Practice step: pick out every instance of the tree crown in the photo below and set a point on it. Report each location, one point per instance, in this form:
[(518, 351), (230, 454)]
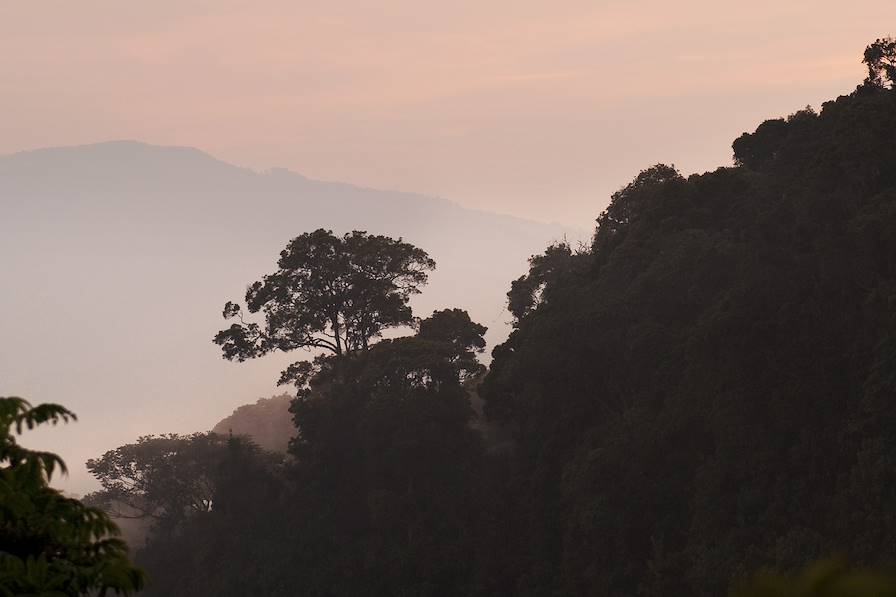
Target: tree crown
[(330, 292), (880, 58)]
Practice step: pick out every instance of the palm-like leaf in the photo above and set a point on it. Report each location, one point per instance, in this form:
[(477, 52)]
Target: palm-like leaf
[(53, 545)]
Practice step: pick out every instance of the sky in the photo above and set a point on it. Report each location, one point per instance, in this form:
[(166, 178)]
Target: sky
[(537, 109)]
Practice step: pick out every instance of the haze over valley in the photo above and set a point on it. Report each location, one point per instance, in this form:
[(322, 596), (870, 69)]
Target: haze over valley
[(123, 254)]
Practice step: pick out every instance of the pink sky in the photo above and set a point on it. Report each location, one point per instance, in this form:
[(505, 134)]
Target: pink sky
[(540, 109)]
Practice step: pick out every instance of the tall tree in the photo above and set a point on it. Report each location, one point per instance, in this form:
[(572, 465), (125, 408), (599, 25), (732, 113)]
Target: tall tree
[(880, 58), (217, 503), (383, 497), (463, 337), (166, 478), (709, 391), (330, 292), (527, 291)]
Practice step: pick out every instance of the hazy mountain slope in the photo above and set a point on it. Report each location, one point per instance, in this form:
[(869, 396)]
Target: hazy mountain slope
[(268, 422), (118, 257)]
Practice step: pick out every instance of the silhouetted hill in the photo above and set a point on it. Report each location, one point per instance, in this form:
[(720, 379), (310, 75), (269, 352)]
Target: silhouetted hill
[(267, 422)]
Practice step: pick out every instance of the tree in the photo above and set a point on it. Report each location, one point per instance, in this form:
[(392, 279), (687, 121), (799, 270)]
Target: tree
[(51, 544), (166, 478), (383, 497), (758, 149), (880, 58), (217, 506), (441, 354), (389, 466), (454, 328), (754, 150), (630, 203), (709, 391), (527, 291), (332, 293)]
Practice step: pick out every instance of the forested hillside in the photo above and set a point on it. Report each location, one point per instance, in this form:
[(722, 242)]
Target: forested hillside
[(705, 391), (709, 389)]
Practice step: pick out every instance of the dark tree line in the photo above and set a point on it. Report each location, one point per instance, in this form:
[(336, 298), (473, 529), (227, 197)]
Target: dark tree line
[(706, 390), (383, 489), (709, 389)]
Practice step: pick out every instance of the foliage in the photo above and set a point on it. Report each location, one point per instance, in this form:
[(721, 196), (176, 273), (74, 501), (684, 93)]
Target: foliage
[(236, 546), (880, 58), (390, 469), (51, 544), (168, 478), (333, 293), (708, 390), (527, 291), (384, 494), (461, 336), (828, 578), (758, 149), (634, 202)]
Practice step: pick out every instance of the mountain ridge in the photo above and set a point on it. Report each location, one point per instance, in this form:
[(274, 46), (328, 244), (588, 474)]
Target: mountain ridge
[(135, 149)]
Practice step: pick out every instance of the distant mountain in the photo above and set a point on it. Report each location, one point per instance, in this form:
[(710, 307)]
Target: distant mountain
[(267, 422), (121, 255), (178, 199)]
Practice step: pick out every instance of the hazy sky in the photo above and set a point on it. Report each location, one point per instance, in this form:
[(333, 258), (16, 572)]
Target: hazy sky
[(539, 109)]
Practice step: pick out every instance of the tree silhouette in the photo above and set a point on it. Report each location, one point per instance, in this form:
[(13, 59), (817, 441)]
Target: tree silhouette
[(880, 57), (166, 478), (390, 466), (332, 293), (211, 498), (464, 337), (526, 292)]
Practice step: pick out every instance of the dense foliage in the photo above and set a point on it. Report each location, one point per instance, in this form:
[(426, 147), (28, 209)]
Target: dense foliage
[(383, 494), (333, 293), (168, 479), (51, 544), (217, 507), (709, 389), (705, 391)]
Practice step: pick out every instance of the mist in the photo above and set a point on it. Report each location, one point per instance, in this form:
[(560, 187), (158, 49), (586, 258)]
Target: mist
[(123, 254)]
